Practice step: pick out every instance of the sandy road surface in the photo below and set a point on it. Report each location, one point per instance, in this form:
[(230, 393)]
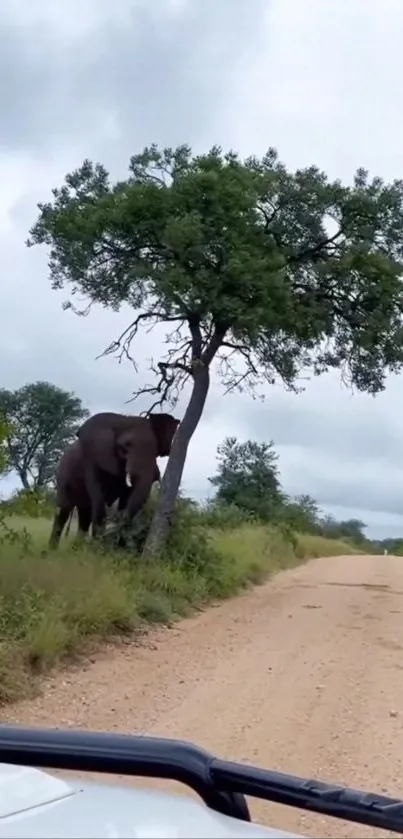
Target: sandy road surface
[(303, 674)]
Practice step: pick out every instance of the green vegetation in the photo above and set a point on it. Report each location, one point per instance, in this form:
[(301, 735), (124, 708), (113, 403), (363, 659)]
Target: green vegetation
[(262, 274), (40, 420), (248, 484), (54, 605), (392, 546), (248, 477)]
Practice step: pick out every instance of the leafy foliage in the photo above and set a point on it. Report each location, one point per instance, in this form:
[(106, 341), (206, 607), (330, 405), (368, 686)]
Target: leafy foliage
[(244, 248), (247, 477), (266, 272), (189, 544), (248, 481), (249, 489), (302, 513), (32, 503), (41, 420), (224, 516)]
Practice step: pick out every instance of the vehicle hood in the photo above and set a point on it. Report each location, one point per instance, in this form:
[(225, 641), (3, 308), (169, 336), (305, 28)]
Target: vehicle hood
[(34, 803)]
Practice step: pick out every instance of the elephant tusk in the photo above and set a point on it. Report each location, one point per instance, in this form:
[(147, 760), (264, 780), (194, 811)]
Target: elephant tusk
[(128, 480)]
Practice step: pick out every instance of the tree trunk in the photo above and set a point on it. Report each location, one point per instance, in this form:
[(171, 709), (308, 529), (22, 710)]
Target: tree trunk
[(23, 475), (159, 528)]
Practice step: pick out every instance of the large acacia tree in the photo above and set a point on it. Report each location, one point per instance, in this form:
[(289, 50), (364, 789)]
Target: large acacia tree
[(262, 271)]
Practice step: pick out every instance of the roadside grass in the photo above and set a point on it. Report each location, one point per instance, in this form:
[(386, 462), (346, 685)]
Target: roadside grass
[(52, 604), (316, 546)]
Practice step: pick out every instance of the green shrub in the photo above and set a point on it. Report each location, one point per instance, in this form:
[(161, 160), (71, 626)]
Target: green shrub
[(31, 503), (225, 516)]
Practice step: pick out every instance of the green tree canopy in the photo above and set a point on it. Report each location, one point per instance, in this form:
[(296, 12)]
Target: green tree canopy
[(267, 272), (247, 476), (41, 419), (302, 513)]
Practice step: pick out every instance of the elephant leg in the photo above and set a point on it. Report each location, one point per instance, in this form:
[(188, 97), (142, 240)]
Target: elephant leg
[(84, 520), (98, 506), (59, 521)]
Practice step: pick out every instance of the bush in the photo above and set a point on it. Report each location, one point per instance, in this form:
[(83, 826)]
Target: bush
[(31, 503), (226, 516), (53, 603)]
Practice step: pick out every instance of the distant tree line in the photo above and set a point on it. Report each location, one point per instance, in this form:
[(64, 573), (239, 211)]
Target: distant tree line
[(392, 546)]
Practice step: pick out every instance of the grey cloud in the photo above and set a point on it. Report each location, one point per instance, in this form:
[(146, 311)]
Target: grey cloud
[(346, 451), (379, 525), (162, 78), (343, 482), (326, 416)]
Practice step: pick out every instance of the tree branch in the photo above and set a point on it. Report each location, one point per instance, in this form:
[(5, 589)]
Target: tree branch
[(316, 250), (232, 379), (308, 253), (183, 356), (121, 346), (214, 344)]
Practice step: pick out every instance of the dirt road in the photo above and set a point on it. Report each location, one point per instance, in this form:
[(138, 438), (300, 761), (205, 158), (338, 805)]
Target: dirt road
[(304, 674)]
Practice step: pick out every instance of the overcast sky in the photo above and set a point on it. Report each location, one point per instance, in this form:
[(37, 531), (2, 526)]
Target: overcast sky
[(319, 81)]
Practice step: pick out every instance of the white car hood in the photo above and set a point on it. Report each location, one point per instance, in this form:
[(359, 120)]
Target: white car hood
[(34, 804), (22, 787)]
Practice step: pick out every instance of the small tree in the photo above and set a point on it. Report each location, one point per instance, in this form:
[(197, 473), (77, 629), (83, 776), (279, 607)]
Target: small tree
[(302, 513), (353, 529), (263, 271), (41, 419), (247, 476)]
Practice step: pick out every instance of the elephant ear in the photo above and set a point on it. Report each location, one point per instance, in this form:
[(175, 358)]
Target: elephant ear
[(164, 427)]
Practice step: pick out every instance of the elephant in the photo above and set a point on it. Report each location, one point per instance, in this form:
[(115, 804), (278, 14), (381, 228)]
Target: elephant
[(114, 445), (71, 492)]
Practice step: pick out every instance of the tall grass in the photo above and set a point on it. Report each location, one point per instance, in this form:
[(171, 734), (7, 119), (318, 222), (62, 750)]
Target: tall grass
[(53, 603)]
